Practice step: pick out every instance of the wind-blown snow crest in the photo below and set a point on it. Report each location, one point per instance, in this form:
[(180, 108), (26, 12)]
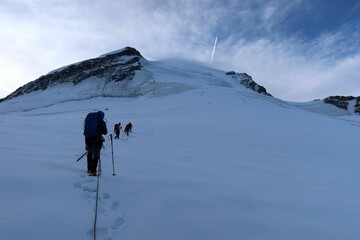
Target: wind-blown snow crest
[(155, 79)]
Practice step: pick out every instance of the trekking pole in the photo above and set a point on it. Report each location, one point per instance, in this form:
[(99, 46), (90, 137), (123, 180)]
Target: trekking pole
[(99, 167), (81, 157), (112, 154)]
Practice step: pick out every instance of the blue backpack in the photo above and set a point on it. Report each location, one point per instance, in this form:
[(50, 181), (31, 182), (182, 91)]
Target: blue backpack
[(91, 123)]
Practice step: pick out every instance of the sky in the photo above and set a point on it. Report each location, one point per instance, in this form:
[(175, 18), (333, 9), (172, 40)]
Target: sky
[(299, 50)]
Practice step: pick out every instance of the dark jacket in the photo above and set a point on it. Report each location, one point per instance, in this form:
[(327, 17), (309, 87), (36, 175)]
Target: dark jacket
[(101, 129)]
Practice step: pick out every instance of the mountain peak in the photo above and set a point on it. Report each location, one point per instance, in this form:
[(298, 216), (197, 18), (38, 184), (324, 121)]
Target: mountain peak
[(127, 51), (126, 73), (115, 66)]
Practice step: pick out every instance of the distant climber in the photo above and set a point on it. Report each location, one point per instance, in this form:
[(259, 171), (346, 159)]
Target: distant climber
[(94, 128), (128, 128), (117, 129)]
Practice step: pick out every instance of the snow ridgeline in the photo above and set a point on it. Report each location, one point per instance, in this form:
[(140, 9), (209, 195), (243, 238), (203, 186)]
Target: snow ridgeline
[(122, 73)]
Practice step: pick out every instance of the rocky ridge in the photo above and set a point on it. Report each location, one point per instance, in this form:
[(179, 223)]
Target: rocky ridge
[(113, 67), (248, 82), (344, 102)]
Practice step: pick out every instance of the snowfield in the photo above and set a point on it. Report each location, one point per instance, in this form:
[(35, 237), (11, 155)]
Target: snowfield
[(207, 159)]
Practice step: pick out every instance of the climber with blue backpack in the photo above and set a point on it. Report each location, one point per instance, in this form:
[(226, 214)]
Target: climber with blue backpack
[(94, 128)]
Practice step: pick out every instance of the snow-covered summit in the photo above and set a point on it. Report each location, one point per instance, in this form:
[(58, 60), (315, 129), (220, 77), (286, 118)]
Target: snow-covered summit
[(113, 67), (126, 73), (121, 73)]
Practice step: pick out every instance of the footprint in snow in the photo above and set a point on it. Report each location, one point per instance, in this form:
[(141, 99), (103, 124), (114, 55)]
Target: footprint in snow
[(118, 223), (88, 187), (106, 196), (115, 206), (101, 233), (88, 196)]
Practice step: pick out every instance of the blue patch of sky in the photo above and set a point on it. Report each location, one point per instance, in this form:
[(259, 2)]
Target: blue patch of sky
[(309, 23), (321, 17)]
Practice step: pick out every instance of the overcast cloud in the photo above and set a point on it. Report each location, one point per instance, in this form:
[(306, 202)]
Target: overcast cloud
[(299, 50)]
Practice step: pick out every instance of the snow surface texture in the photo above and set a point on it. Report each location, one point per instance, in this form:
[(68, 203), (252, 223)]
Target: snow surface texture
[(207, 159)]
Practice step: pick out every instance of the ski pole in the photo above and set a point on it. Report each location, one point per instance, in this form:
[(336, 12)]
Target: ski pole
[(112, 154), (99, 167), (81, 157)]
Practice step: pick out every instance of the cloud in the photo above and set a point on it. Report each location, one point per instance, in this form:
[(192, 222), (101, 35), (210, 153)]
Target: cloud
[(254, 36), (3, 93), (289, 74)]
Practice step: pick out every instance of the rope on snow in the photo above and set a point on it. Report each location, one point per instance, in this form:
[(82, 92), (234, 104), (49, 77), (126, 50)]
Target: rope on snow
[(97, 198)]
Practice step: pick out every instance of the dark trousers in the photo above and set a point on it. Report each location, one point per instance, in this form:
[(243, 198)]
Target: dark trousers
[(117, 133), (93, 147)]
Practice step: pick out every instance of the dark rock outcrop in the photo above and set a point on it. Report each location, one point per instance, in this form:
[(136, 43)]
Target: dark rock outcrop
[(343, 102), (248, 82), (112, 67)]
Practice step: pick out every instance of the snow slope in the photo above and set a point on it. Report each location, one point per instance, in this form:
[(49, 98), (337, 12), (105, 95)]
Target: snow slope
[(208, 159)]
